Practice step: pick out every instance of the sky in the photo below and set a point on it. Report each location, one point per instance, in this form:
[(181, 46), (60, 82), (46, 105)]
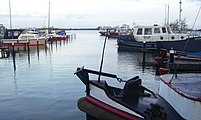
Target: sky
[(94, 13)]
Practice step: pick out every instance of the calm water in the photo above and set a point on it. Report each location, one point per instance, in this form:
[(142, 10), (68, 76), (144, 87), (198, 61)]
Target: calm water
[(44, 86)]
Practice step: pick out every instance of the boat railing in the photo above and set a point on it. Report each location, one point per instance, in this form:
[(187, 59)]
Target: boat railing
[(82, 73)]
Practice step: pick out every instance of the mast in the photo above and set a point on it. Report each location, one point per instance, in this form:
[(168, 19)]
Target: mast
[(180, 10), (10, 15), (165, 14), (168, 15), (49, 18)]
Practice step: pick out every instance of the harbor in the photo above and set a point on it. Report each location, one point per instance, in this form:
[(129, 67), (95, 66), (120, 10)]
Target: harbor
[(46, 88), (138, 63)]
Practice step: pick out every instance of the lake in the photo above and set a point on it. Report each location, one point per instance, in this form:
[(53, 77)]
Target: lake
[(44, 87)]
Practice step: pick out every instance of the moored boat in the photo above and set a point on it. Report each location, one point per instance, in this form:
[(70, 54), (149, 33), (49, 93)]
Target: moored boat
[(21, 37), (191, 44), (150, 35), (57, 35), (133, 102), (103, 30), (179, 62), (183, 93)]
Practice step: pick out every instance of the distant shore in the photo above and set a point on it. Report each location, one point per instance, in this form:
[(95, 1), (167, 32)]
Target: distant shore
[(82, 29)]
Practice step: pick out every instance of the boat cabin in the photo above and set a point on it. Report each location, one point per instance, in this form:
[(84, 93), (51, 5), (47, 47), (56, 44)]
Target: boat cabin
[(12, 33)]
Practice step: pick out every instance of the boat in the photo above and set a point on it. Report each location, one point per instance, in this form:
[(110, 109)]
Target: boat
[(57, 35), (188, 45), (149, 35), (22, 37), (169, 62), (183, 92), (132, 102), (119, 30), (103, 30)]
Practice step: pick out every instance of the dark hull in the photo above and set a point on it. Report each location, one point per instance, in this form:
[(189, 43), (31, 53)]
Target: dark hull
[(188, 45), (131, 102), (128, 41)]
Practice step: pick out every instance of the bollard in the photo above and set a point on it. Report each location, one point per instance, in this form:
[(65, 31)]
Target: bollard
[(172, 52)]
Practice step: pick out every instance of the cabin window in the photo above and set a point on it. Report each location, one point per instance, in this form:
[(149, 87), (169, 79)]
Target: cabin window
[(147, 31), (16, 33), (156, 30), (168, 29), (9, 33), (139, 31), (164, 30)]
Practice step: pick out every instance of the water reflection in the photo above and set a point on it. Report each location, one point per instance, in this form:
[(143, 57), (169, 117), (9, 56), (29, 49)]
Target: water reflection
[(137, 58)]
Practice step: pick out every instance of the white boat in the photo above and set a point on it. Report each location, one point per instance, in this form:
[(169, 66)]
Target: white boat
[(183, 93), (156, 33), (119, 30), (149, 35), (133, 102), (19, 37), (103, 30)]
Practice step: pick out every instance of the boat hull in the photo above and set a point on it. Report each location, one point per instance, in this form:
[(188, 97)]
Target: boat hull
[(186, 104), (188, 45), (24, 42)]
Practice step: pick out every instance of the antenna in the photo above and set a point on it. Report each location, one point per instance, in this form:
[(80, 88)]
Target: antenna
[(101, 65)]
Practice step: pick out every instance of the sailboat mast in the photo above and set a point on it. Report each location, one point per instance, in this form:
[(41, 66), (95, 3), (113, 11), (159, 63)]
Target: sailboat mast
[(49, 18), (10, 15)]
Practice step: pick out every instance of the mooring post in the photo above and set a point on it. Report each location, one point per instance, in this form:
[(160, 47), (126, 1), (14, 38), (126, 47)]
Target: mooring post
[(144, 52), (172, 52), (13, 54), (28, 51)]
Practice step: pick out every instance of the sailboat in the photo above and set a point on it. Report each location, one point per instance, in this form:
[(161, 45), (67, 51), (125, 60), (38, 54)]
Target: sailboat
[(54, 35)]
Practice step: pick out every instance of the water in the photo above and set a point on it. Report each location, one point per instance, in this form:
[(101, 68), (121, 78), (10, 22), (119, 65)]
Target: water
[(44, 86)]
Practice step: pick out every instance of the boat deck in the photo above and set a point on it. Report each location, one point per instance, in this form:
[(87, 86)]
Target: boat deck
[(187, 85), (145, 104)]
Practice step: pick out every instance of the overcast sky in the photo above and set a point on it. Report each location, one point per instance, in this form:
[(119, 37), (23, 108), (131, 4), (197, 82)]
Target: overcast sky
[(94, 13)]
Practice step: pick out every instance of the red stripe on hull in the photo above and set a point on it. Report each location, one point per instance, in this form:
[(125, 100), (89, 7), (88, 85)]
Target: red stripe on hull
[(24, 44), (111, 109)]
